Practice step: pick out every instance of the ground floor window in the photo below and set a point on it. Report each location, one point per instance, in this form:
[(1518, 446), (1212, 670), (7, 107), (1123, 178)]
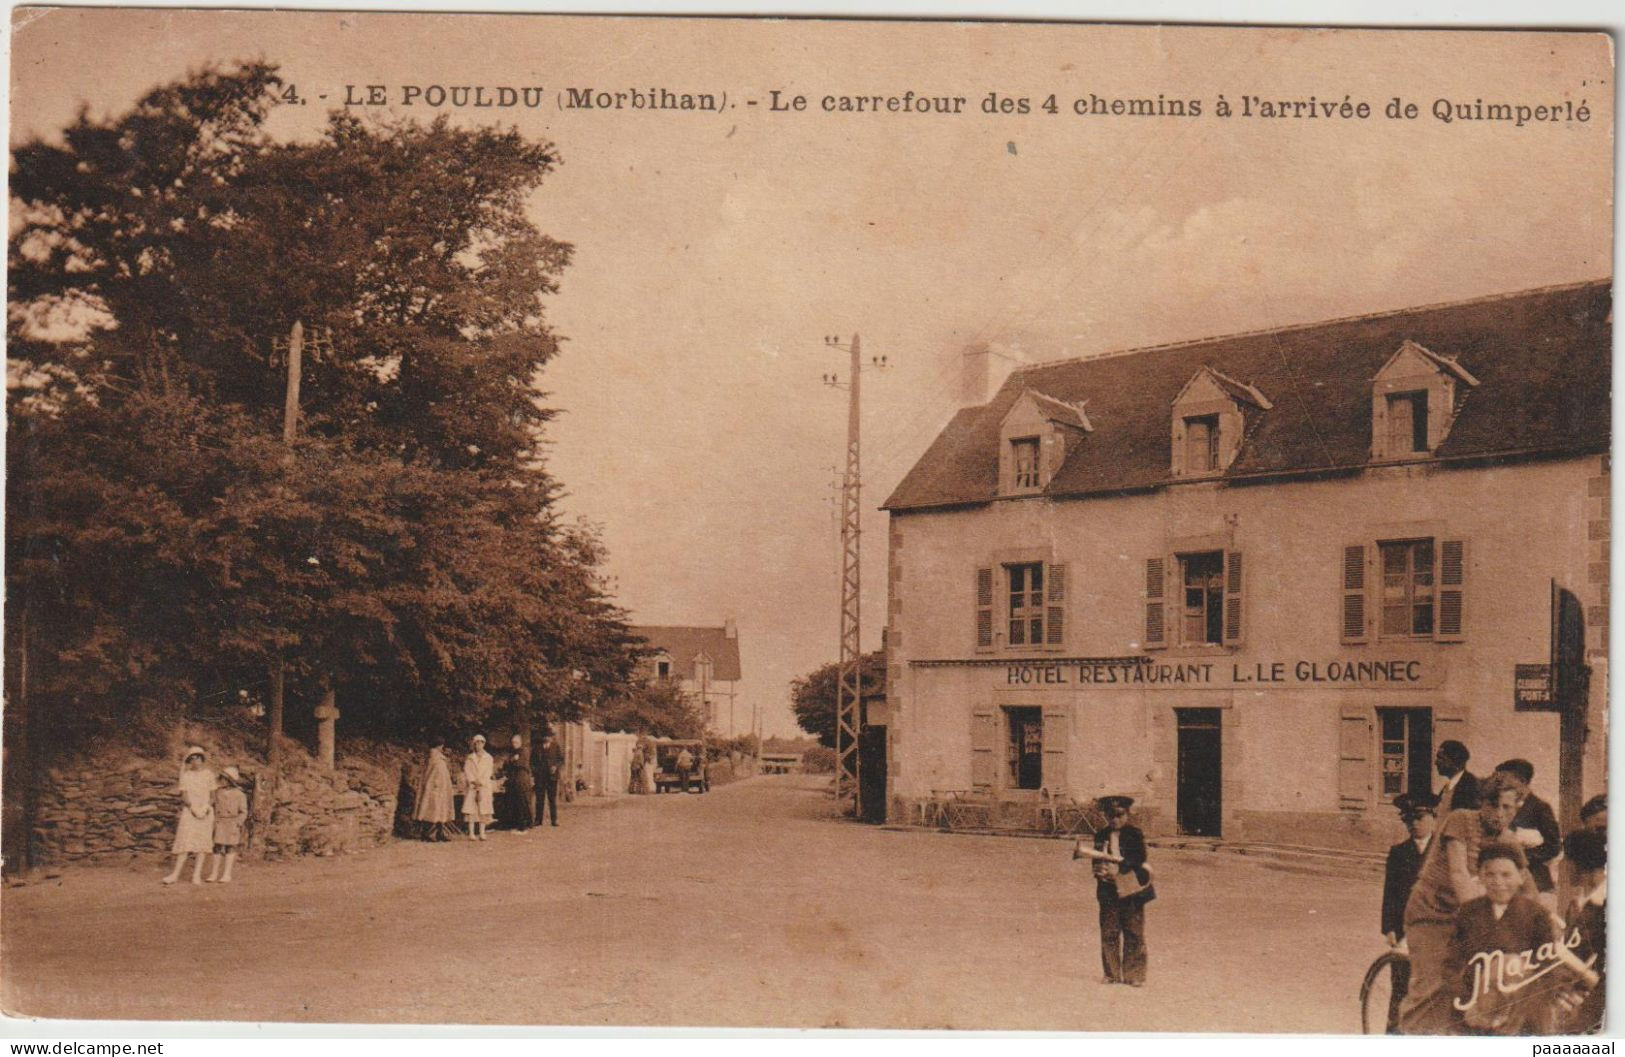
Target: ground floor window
[(1024, 748), (1405, 750)]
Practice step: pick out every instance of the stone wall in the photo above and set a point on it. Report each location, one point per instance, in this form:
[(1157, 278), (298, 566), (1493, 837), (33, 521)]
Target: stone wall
[(115, 805)]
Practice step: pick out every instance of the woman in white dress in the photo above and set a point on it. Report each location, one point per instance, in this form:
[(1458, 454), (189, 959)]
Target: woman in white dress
[(194, 828), (646, 773), (479, 799)]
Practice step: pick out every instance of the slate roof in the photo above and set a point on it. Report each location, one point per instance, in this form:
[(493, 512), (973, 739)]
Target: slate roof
[(684, 644), (1542, 358)]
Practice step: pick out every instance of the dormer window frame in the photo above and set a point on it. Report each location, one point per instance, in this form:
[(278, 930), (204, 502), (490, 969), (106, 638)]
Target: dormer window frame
[(1220, 405), (1414, 372), (1041, 426)]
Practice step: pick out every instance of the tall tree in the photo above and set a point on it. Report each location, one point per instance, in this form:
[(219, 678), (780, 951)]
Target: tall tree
[(812, 696), (163, 542)]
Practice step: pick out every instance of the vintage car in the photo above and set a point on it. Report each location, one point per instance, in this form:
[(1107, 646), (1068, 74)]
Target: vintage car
[(666, 777)]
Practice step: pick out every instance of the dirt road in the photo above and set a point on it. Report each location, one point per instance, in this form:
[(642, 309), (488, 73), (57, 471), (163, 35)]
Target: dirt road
[(749, 906)]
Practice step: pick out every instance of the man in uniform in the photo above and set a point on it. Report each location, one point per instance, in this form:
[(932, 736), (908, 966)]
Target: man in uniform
[(1122, 916), (1404, 862)]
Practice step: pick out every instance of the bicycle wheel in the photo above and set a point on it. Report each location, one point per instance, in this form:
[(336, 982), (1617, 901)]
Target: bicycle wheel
[(1384, 986)]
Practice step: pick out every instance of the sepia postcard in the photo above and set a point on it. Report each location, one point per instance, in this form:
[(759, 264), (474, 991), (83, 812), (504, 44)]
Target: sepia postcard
[(806, 523)]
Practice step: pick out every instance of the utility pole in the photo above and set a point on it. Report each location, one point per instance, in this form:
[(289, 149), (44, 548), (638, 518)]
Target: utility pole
[(849, 677)]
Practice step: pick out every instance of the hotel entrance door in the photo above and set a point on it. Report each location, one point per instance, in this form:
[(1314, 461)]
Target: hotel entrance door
[(1200, 772)]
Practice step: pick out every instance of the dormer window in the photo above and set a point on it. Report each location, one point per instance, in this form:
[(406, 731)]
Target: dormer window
[(1209, 422), (1407, 422), (1202, 444), (1024, 461), (1414, 400), (1038, 435)]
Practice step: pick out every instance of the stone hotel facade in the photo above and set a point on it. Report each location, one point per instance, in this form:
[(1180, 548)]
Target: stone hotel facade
[(1254, 581)]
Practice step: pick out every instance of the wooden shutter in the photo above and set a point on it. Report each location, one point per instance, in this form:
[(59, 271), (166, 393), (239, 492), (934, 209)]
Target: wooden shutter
[(984, 743), (1156, 607), (1450, 596), (1055, 607), (1232, 598), (1354, 758), (984, 608), (1057, 734), (1356, 621)]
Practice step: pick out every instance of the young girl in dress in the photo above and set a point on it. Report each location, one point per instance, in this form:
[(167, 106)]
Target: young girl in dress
[(194, 828), (230, 814)]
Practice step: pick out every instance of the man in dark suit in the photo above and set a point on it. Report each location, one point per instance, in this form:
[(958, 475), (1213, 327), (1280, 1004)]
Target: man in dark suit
[(1122, 918), (1404, 863), (545, 761), (1460, 788), (1534, 827)]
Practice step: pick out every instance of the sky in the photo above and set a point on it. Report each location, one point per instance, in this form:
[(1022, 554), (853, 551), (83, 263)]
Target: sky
[(715, 251)]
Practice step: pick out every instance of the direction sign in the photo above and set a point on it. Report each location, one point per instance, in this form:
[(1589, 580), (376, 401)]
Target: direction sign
[(1532, 688)]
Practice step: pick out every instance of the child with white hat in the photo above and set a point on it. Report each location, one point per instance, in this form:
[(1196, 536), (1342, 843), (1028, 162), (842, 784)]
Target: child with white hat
[(230, 815)]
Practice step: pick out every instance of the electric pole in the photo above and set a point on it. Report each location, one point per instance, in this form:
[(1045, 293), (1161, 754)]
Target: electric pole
[(849, 677)]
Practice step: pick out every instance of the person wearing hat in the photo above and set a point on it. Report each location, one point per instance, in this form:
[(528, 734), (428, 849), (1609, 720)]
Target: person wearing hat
[(194, 826), (1587, 853), (230, 815), (1460, 789), (1534, 827), (434, 804), (1594, 815), (1416, 811), (479, 797), (1122, 902)]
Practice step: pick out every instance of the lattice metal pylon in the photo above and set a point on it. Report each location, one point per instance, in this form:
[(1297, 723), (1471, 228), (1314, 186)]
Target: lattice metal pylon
[(849, 681)]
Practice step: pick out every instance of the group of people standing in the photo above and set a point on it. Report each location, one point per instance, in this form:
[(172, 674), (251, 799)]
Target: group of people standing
[(530, 788), (212, 820), (1473, 896)]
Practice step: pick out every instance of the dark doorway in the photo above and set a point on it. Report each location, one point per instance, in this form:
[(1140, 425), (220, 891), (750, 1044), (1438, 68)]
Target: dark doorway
[(872, 773), (1200, 771), (1024, 757)]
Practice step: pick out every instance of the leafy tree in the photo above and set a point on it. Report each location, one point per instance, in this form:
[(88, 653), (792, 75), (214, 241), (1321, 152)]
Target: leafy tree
[(164, 544), (655, 707), (812, 696)]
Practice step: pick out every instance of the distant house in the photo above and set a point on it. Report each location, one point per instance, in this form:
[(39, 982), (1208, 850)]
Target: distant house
[(704, 662)]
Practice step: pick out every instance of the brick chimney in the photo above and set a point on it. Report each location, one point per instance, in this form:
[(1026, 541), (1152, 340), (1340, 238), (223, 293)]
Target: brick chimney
[(729, 629)]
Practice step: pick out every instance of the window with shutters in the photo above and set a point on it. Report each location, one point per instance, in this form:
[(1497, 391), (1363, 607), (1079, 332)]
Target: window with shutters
[(1404, 590), (1407, 589), (1194, 599), (1021, 605)]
